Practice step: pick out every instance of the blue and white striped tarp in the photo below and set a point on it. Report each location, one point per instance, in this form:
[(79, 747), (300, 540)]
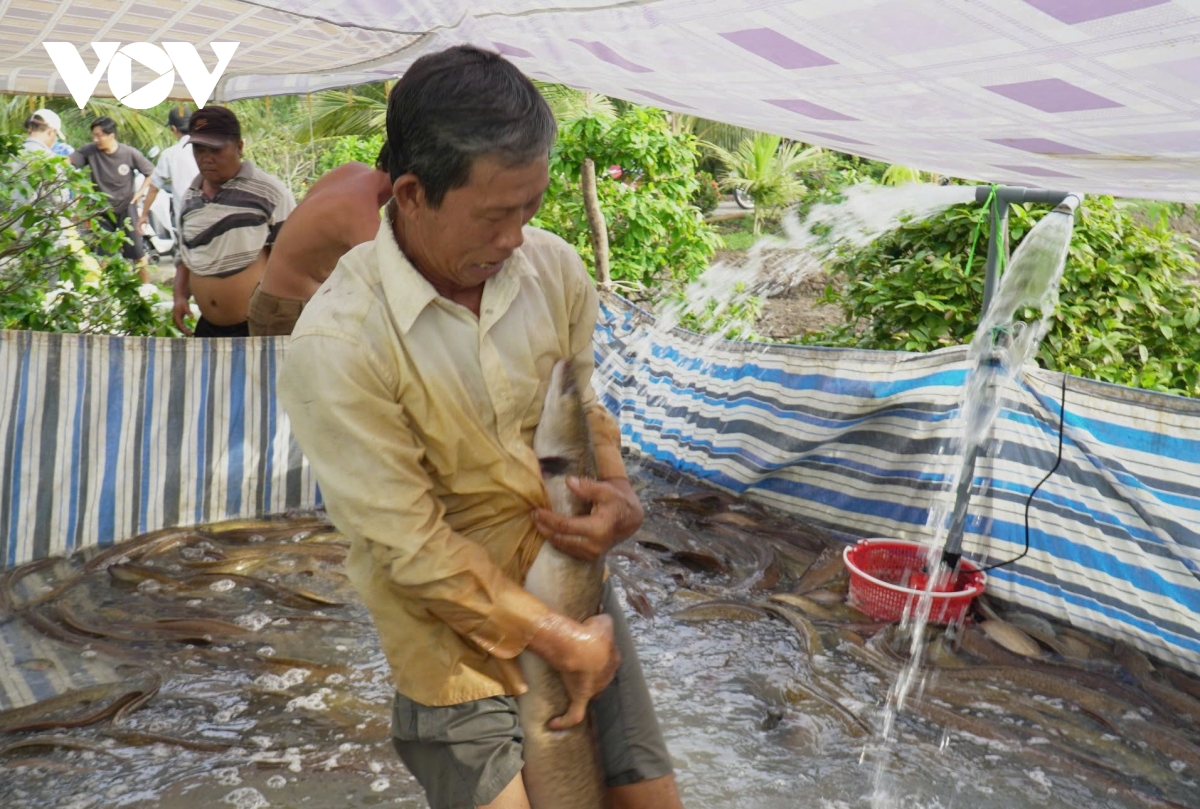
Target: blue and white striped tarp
[(858, 441), (104, 438)]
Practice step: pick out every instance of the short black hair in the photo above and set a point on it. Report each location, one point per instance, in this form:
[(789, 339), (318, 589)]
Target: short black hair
[(385, 156), (107, 125), (456, 105)]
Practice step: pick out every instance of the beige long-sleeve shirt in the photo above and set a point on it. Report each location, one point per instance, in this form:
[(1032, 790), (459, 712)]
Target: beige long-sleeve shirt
[(418, 418)]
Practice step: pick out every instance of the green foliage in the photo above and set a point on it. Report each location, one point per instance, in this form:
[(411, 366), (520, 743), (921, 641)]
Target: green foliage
[(656, 236), (733, 318), (708, 193), (1128, 310), (567, 103), (267, 126), (355, 111), (49, 278), (899, 175), (347, 149), (766, 168)]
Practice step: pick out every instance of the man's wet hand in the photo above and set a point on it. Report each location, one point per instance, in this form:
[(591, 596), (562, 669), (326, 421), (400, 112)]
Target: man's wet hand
[(616, 514), (584, 655)]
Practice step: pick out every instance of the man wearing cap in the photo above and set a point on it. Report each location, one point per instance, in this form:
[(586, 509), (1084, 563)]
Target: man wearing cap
[(112, 165), (175, 171), (60, 147), (231, 213), (39, 135)]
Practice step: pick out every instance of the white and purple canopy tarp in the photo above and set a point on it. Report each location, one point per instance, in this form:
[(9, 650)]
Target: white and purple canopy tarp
[(1100, 96)]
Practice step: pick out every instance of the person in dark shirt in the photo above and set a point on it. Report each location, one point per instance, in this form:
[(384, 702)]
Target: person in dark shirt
[(112, 165)]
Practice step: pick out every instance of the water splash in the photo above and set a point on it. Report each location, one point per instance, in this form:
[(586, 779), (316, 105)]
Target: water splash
[(996, 358), (775, 264)]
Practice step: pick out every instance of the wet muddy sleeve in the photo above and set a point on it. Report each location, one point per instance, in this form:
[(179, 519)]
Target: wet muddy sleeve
[(345, 415)]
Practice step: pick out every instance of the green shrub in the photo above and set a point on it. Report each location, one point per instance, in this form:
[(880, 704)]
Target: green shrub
[(656, 236), (52, 274), (708, 193), (1128, 308), (347, 149)]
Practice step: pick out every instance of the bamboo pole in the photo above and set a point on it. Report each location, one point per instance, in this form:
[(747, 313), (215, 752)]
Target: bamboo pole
[(596, 224)]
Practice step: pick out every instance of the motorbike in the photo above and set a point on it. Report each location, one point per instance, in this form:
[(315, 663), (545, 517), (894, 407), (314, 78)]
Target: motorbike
[(158, 232)]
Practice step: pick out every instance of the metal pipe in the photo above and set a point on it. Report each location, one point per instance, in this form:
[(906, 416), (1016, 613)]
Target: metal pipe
[(1007, 195), (1016, 193)]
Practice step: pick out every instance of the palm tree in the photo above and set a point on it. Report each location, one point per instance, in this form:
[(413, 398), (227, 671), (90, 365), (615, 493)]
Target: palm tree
[(899, 175), (567, 103), (359, 111), (765, 168)]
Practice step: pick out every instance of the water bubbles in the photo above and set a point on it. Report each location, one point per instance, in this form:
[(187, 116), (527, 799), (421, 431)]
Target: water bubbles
[(313, 702), (253, 620), (229, 714), (262, 741), (246, 798), (222, 585), (281, 682), (380, 784), (1178, 766), (277, 782), (1039, 777), (228, 776), (149, 586), (375, 767)]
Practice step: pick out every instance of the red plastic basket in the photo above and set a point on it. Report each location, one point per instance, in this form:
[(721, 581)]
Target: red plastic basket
[(887, 579)]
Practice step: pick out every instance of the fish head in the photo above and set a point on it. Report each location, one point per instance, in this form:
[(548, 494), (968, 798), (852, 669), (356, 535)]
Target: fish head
[(562, 440)]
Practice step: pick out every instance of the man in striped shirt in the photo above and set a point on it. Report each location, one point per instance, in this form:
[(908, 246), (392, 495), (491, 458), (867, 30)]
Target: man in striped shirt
[(230, 216)]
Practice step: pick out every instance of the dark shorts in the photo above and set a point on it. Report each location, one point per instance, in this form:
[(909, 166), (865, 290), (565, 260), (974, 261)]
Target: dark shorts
[(271, 316), (465, 755), (206, 329), (112, 220)]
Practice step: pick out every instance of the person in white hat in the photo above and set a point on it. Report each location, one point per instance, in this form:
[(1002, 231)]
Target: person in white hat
[(59, 146)]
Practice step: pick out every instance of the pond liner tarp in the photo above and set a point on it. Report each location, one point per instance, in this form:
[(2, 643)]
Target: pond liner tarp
[(103, 438), (858, 441)]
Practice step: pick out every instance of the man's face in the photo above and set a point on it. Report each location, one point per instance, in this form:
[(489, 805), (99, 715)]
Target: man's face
[(103, 140), (466, 240), (218, 165)]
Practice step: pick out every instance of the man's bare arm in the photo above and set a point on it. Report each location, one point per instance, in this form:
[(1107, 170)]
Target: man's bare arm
[(183, 296)]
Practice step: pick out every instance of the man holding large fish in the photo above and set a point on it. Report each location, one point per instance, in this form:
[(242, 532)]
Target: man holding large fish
[(424, 385)]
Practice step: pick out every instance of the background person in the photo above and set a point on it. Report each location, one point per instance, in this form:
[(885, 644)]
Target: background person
[(39, 135), (231, 214), (175, 171), (414, 382), (340, 211), (60, 147), (112, 164)]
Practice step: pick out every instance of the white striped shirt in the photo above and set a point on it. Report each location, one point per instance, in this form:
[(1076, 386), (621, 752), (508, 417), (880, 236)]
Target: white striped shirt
[(222, 236)]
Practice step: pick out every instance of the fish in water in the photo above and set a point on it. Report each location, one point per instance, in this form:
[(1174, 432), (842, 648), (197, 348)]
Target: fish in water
[(562, 767)]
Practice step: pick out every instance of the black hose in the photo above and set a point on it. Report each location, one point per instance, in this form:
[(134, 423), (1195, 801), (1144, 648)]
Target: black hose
[(1062, 410)]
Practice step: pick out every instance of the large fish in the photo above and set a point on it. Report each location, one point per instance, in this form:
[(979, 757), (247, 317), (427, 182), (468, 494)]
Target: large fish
[(562, 768)]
